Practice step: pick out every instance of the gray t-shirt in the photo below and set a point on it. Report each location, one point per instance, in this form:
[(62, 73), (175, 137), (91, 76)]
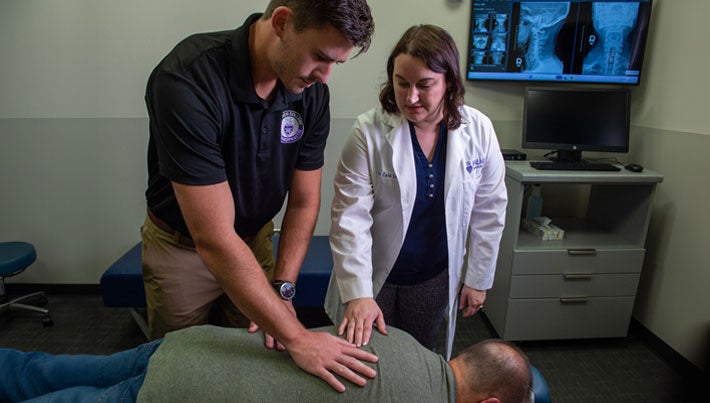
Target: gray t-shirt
[(208, 363)]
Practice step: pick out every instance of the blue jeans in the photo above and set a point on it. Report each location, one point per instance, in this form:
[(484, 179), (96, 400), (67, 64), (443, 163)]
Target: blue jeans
[(42, 377)]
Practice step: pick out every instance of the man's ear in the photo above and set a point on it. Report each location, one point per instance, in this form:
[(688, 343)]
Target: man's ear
[(280, 18)]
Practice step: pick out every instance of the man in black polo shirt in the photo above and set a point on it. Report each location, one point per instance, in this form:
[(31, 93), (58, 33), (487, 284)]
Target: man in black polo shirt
[(239, 119)]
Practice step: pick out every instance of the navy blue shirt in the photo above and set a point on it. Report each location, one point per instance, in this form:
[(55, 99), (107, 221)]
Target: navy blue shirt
[(424, 251), (207, 125)]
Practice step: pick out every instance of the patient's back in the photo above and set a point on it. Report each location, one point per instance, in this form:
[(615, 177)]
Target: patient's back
[(208, 363)]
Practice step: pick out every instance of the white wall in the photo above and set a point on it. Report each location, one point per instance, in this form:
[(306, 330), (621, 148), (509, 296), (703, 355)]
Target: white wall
[(73, 131), (91, 58)]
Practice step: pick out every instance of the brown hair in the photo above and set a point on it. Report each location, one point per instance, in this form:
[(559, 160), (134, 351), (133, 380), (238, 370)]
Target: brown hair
[(351, 17), (438, 50), (497, 368)]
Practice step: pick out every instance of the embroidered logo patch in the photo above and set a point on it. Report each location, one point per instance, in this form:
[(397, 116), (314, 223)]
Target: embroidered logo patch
[(291, 127)]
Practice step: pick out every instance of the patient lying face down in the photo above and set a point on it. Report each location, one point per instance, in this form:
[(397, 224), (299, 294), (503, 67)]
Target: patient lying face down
[(207, 363)]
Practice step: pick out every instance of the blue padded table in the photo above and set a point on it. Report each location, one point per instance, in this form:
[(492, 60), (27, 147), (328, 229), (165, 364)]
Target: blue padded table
[(122, 285), (312, 282), (122, 282), (541, 392)]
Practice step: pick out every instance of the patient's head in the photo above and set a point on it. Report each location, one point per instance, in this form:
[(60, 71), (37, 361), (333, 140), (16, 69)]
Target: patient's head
[(493, 371)]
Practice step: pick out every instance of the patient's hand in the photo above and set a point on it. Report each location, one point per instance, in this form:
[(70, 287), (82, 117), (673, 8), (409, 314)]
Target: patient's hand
[(326, 356), (359, 317), (269, 341)]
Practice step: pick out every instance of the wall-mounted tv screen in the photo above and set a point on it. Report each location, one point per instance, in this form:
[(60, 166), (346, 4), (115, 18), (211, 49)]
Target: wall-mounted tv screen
[(558, 41)]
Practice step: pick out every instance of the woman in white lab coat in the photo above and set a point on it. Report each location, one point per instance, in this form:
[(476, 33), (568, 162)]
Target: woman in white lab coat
[(419, 188)]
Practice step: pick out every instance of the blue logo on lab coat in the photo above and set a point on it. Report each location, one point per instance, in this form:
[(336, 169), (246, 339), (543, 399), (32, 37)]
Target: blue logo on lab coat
[(475, 164)]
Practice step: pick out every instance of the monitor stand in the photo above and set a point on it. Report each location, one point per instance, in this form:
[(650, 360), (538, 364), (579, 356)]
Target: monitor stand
[(568, 155)]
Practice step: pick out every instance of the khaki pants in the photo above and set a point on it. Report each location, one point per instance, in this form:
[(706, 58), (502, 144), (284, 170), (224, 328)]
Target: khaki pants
[(181, 291)]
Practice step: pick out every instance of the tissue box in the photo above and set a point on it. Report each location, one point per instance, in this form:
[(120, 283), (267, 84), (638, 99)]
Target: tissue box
[(547, 232)]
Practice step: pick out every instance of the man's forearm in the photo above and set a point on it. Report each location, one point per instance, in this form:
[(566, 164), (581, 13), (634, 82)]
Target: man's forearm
[(298, 223), (296, 233), (243, 279)]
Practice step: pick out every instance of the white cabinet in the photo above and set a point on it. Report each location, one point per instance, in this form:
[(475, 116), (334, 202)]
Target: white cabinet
[(584, 285)]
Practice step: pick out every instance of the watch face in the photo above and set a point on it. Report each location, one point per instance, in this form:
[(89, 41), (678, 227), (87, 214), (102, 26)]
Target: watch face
[(288, 290)]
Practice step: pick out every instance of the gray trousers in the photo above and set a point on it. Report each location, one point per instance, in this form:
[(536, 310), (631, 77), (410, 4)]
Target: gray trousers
[(417, 309)]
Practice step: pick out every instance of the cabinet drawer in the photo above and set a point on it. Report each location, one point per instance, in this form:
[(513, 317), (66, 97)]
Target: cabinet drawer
[(578, 261), (574, 285), (551, 318)]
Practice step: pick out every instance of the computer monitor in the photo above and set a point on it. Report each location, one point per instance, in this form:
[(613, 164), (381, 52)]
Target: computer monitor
[(583, 41), (572, 120)]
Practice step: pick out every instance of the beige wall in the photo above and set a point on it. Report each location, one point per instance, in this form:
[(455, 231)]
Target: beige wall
[(676, 85), (672, 301), (673, 138), (73, 131)]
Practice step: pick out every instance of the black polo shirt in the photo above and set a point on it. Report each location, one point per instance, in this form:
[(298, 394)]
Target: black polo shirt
[(207, 126)]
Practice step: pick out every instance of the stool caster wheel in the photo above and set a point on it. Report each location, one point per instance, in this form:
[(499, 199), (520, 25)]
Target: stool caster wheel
[(47, 321)]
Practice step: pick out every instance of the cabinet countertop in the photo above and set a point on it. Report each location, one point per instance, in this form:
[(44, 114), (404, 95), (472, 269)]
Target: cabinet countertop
[(521, 171)]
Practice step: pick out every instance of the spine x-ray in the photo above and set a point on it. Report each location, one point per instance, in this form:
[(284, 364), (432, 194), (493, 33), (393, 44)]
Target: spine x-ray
[(596, 38)]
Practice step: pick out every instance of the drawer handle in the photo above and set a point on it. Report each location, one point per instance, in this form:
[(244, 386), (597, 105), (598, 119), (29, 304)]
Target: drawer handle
[(578, 276), (574, 300), (581, 252)]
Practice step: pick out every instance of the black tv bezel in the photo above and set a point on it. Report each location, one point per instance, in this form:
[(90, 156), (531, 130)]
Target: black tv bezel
[(522, 77), (569, 146)]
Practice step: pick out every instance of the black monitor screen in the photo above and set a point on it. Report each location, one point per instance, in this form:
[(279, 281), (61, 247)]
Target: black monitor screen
[(558, 41), (575, 120)]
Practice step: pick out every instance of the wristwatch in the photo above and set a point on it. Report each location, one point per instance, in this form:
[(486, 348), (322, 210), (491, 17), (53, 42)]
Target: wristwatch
[(285, 289)]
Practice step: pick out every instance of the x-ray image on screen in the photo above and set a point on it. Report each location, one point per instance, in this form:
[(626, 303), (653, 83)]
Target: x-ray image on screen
[(611, 46), (539, 25), (488, 39), (590, 41)]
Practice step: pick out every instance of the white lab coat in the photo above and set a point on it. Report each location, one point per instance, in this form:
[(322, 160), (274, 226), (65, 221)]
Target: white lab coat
[(375, 190)]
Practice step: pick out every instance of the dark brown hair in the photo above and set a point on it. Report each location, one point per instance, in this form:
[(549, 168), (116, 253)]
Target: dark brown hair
[(351, 17), (438, 50)]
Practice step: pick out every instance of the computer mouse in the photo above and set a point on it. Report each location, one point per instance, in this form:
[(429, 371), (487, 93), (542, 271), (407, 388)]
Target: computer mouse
[(634, 167)]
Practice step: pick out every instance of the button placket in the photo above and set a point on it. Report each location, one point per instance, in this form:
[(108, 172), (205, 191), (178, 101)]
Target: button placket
[(430, 182)]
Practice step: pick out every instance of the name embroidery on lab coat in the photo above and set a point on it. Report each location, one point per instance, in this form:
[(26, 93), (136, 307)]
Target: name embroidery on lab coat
[(475, 164), (385, 174)]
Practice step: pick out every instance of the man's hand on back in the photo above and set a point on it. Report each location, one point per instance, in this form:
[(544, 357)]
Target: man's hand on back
[(326, 356)]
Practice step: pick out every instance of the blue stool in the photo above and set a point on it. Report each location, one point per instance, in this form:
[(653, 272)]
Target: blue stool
[(15, 257)]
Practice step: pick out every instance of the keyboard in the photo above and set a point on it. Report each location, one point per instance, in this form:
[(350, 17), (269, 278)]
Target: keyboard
[(573, 166)]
